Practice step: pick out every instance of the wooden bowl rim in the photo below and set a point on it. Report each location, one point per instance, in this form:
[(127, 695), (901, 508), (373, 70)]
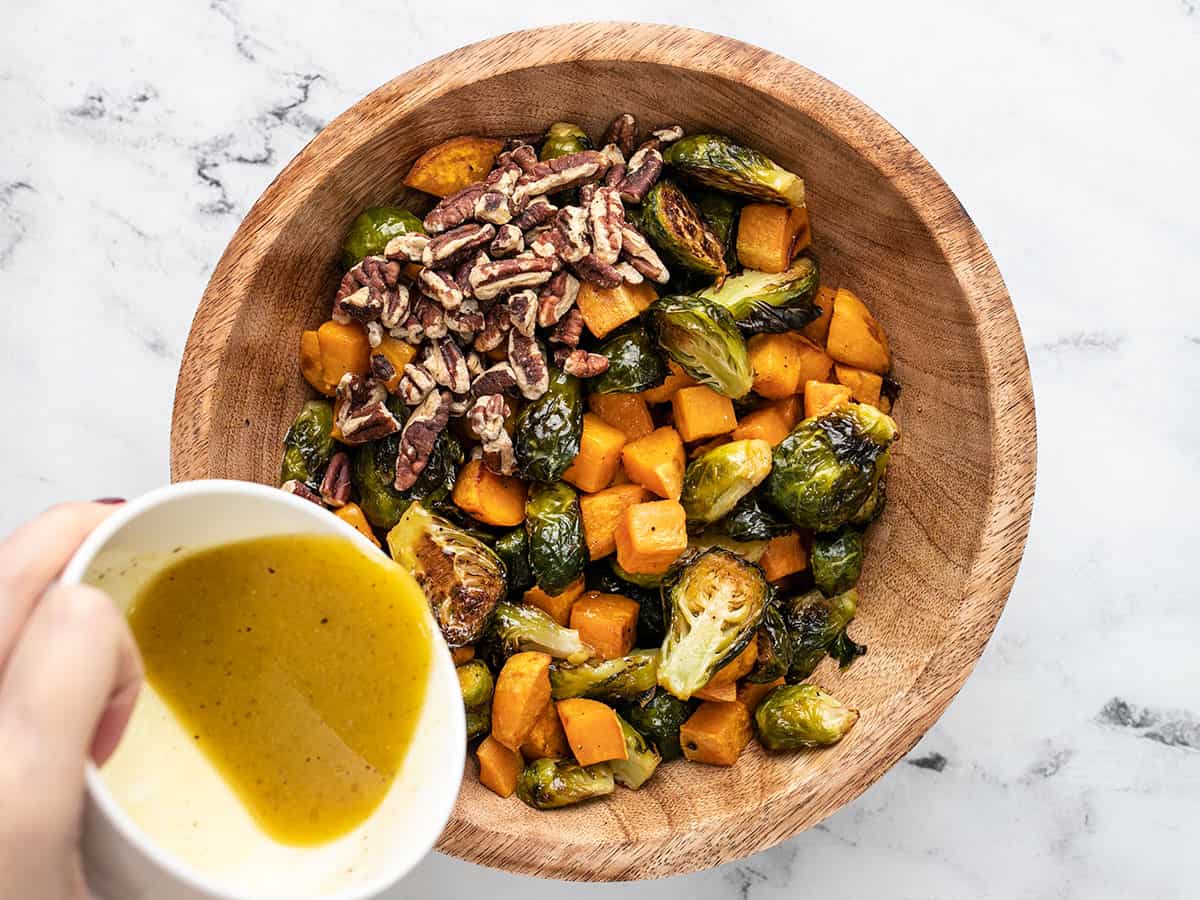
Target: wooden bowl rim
[(995, 560)]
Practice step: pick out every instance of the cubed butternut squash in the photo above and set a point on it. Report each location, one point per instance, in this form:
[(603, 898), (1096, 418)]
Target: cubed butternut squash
[(522, 690), (602, 510), (865, 386), (627, 412), (818, 329), (792, 408), (750, 694), (593, 730), (620, 477), (311, 365), (716, 733), (462, 655), (770, 423), (599, 457), (814, 363), (676, 379), (821, 397), (657, 462), (556, 606), (499, 766), (604, 309), (775, 362), (722, 691), (650, 536), (352, 515), (492, 499), (398, 355), (344, 348), (855, 338), (546, 739), (767, 233), (450, 166), (700, 413), (785, 555), (606, 622)]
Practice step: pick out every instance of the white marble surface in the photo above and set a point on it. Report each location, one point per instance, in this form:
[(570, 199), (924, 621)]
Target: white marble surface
[(137, 133)]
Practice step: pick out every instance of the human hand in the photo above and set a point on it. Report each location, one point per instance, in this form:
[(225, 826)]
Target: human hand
[(69, 676)]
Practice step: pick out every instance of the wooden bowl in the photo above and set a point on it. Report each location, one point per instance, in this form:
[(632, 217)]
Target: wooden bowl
[(960, 487)]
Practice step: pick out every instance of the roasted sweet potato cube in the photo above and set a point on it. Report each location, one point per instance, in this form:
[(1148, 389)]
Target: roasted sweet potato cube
[(606, 622), (722, 691), (716, 733), (820, 397), (775, 362), (556, 606), (344, 348), (602, 511), (738, 667), (767, 233), (546, 739), (627, 412), (490, 498), (599, 457), (311, 365), (697, 450), (650, 536), (352, 515), (604, 309), (700, 412), (593, 730), (676, 379), (450, 166), (855, 338), (522, 690), (865, 386), (770, 423), (657, 462), (785, 555), (499, 766), (750, 694)]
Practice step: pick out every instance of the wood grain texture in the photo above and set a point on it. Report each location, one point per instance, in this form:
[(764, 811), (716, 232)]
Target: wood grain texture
[(942, 558)]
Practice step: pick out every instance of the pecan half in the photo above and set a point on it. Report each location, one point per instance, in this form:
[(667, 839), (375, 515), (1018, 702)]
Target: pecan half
[(529, 365), (628, 273), (548, 242), (382, 368), (522, 311), (499, 379), (581, 363), (418, 437), (538, 211), (360, 410), (557, 296), (594, 270), (335, 486), (522, 154), (452, 247), (409, 246), (572, 223), (606, 215), (360, 306), (496, 324), (430, 317), (643, 170), (415, 385), (462, 274), (454, 210), (445, 363), (379, 276), (560, 174), (642, 256), (510, 240), (494, 278), (485, 418), (498, 454), (395, 307), (442, 287), (569, 330), (622, 131), (300, 489), (465, 321)]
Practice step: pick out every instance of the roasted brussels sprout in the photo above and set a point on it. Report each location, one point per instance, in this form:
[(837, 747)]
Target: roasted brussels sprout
[(716, 601), (461, 577), (704, 339), (475, 681), (548, 429), (516, 627), (720, 211), (715, 481), (717, 162), (660, 719), (753, 520), (563, 139), (751, 550), (372, 230), (673, 224), (552, 783), (766, 302), (826, 468), (634, 364), (375, 472), (308, 444), (513, 549), (873, 506), (836, 560), (774, 648), (651, 627), (557, 552), (479, 721), (624, 678), (813, 624), (642, 759), (793, 716)]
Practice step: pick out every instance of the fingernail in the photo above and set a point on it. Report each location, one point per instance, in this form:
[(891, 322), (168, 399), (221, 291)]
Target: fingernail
[(109, 500)]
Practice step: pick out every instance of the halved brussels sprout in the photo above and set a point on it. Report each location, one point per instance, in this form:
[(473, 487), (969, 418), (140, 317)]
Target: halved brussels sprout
[(720, 211), (547, 432), (717, 600), (624, 678), (673, 224), (475, 681), (814, 623), (704, 339), (553, 783), (375, 472), (770, 302), (308, 444), (717, 162), (826, 468), (513, 549), (753, 520), (372, 230), (634, 364), (557, 551), (836, 560), (642, 759), (517, 627), (563, 139), (774, 648), (794, 716), (715, 481), (462, 578), (660, 719)]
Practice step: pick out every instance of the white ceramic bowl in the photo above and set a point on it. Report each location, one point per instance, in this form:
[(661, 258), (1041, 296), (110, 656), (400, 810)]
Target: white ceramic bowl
[(160, 822)]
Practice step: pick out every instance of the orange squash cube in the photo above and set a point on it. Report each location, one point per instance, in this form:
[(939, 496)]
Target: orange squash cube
[(775, 362), (676, 379), (803, 232), (546, 740), (698, 450), (855, 338), (522, 691), (604, 309), (865, 387), (767, 233), (628, 412), (599, 457), (770, 423), (716, 733), (657, 462), (352, 515), (556, 606), (785, 555), (490, 498), (311, 366), (738, 667), (750, 694), (821, 397), (818, 329), (814, 363), (344, 348), (593, 730), (723, 691), (650, 536), (600, 513), (700, 412), (606, 622), (499, 767), (450, 166)]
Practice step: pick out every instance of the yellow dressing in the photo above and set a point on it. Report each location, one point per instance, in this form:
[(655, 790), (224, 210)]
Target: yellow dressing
[(299, 666)]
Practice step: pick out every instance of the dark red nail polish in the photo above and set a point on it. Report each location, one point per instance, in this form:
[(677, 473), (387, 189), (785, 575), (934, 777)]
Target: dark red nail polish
[(109, 500)]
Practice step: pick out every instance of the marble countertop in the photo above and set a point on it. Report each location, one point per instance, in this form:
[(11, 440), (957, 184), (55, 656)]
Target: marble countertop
[(137, 134)]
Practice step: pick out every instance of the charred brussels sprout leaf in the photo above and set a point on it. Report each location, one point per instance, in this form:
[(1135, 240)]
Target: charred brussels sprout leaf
[(623, 678), (513, 549), (563, 139), (557, 552), (716, 600), (774, 646), (825, 470), (704, 339), (673, 224), (642, 758), (660, 719), (553, 783), (375, 472), (813, 624), (752, 520), (462, 578), (634, 364), (517, 627), (717, 162), (651, 626), (794, 716), (475, 681), (720, 211), (548, 430), (846, 650), (836, 560), (372, 230), (770, 302), (715, 481), (308, 444)]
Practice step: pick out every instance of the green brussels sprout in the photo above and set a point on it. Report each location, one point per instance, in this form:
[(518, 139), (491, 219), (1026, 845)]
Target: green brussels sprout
[(513, 549), (651, 625), (717, 162), (642, 580), (751, 550), (836, 560), (873, 506), (624, 678), (720, 211), (557, 552), (715, 481), (461, 577), (563, 139), (553, 783), (517, 626), (774, 648), (814, 623), (634, 364), (704, 339), (753, 520), (794, 716), (716, 600), (475, 681), (673, 224), (479, 721), (660, 719), (375, 472), (642, 758), (826, 468), (546, 439), (308, 444), (372, 230), (770, 302)]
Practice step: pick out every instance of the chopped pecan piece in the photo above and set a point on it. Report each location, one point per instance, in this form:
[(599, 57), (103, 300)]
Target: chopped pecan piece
[(572, 223), (569, 330), (485, 418), (382, 368), (606, 215), (462, 274), (459, 405), (642, 256), (442, 287), (475, 363), (581, 363), (360, 410), (538, 211), (499, 456), (529, 365), (454, 210), (379, 276), (522, 311), (668, 135), (596, 271), (586, 193), (418, 437), (409, 246), (335, 486), (360, 306), (465, 321), (522, 154), (628, 273), (445, 362), (557, 296), (431, 318), (395, 307), (643, 170), (510, 240), (560, 174), (499, 379), (495, 326), (622, 132), (499, 276), (374, 334), (300, 489), (416, 385), (452, 247), (548, 242)]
